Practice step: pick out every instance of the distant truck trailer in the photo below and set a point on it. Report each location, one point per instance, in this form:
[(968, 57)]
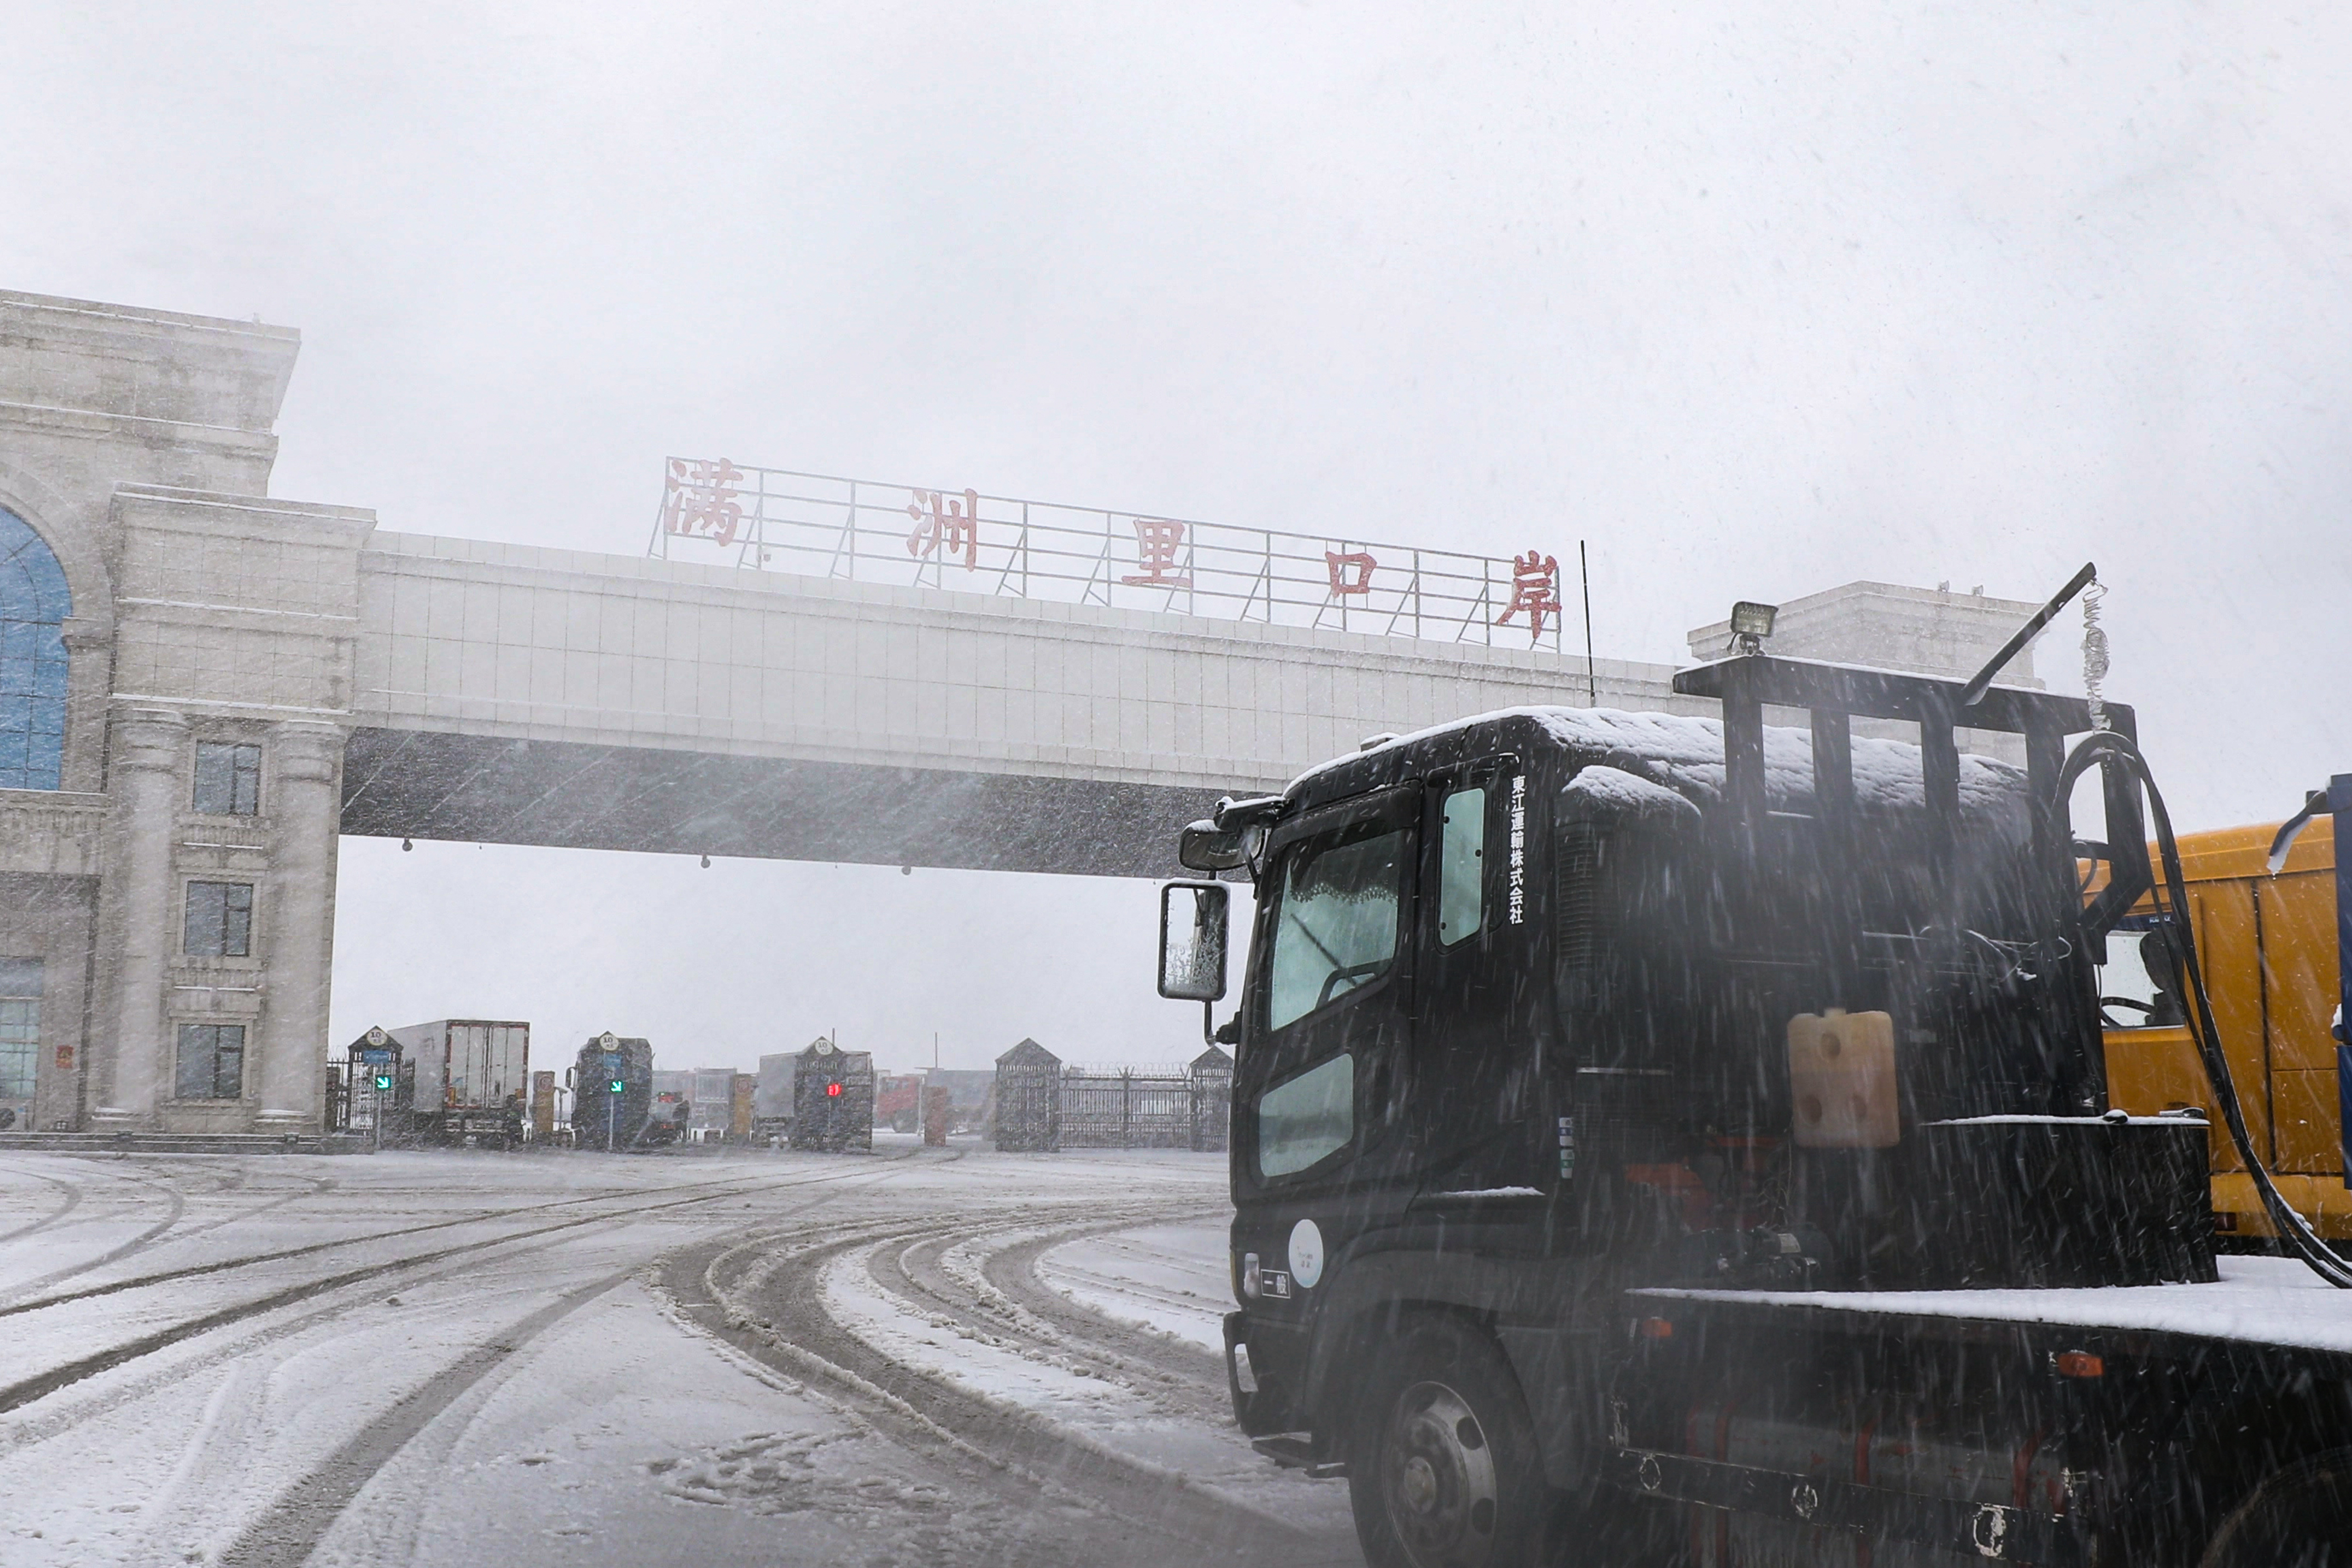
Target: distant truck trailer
[(771, 1096), (713, 1098), (668, 1114), (465, 1080), (898, 1100)]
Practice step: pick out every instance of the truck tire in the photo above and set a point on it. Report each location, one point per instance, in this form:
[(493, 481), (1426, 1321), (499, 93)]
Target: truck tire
[(2299, 1518), (1443, 1470)]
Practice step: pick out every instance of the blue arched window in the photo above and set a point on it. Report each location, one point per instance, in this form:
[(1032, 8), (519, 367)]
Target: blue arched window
[(34, 605)]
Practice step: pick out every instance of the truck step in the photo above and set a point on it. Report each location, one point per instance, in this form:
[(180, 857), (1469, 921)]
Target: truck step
[(1296, 1451)]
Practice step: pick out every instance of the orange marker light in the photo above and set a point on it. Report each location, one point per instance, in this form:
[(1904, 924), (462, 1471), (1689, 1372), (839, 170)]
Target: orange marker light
[(2081, 1363), (1656, 1329)]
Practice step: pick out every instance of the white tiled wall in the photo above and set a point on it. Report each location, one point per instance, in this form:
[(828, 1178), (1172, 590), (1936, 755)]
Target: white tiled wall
[(559, 645)]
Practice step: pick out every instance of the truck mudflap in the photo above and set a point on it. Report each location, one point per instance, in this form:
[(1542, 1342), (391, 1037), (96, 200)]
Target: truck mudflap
[(1994, 1531)]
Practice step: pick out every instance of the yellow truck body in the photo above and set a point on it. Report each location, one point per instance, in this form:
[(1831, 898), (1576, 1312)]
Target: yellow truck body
[(2269, 949)]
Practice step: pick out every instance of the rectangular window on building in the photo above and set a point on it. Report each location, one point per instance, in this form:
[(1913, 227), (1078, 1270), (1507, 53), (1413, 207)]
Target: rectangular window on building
[(20, 1026), (220, 921), (228, 779), (212, 1061)]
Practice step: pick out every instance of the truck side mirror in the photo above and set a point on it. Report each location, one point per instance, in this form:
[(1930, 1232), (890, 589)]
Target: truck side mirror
[(1193, 918), (1205, 847)]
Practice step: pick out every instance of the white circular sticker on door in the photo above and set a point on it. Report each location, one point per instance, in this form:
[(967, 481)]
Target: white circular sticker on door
[(1305, 1253)]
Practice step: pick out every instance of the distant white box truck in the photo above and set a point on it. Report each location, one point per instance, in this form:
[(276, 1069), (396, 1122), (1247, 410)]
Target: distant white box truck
[(471, 1078), (771, 1098)]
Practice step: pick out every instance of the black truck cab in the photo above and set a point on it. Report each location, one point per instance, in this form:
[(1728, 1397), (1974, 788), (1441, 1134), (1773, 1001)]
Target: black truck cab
[(1546, 1006)]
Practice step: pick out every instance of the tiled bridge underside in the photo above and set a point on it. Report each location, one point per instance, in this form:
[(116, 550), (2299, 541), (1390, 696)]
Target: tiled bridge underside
[(512, 695), (425, 784)]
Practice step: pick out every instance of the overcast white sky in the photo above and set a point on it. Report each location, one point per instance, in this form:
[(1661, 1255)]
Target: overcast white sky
[(1758, 300)]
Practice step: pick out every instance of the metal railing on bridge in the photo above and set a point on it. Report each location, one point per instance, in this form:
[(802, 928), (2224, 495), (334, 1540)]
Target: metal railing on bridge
[(826, 526)]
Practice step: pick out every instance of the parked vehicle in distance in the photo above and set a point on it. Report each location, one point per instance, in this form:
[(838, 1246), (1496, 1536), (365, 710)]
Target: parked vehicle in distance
[(669, 1120), (898, 1100), (771, 1098), (465, 1080)]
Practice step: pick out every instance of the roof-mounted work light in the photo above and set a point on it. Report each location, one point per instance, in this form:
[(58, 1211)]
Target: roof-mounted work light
[(1751, 623)]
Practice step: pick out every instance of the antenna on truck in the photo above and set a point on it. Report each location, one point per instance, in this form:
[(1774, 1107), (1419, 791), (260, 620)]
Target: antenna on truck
[(1973, 692)]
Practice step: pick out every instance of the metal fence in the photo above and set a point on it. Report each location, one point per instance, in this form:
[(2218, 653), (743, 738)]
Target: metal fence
[(1041, 1104), (1128, 1108), (825, 526), (354, 1103)]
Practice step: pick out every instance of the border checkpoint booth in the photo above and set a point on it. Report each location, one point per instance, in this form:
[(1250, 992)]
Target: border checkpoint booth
[(833, 1100)]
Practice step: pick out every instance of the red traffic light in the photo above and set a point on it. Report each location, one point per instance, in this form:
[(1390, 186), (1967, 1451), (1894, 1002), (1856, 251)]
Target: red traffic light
[(834, 1090)]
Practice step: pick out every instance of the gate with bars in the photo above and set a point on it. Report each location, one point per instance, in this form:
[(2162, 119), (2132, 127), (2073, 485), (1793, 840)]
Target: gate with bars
[(1044, 1105), (353, 1101)]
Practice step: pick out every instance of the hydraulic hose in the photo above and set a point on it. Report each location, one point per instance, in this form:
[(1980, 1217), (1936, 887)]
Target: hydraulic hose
[(2292, 1229)]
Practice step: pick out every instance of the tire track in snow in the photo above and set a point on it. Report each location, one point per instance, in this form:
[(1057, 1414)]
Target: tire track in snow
[(486, 1216), (154, 1237), (1014, 1270), (72, 1201), (50, 1380), (44, 1426), (1000, 1297), (292, 1528), (767, 1299)]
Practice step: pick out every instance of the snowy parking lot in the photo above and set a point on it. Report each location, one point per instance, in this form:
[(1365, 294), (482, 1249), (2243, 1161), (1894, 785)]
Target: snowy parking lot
[(917, 1356)]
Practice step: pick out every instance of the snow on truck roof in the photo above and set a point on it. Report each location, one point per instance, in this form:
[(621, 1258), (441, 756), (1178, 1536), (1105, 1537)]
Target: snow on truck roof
[(1656, 751)]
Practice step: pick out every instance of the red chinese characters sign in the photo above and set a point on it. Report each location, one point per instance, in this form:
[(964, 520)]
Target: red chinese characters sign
[(700, 500), (1352, 570), (828, 525), (1157, 542), (945, 525), (1535, 588)]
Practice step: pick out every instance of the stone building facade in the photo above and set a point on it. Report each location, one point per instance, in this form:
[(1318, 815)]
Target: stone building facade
[(175, 686)]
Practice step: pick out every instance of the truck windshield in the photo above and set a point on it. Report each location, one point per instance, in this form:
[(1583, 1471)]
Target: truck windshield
[(1334, 922)]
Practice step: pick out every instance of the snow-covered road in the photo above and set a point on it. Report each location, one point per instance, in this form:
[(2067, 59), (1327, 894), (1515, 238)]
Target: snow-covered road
[(921, 1356)]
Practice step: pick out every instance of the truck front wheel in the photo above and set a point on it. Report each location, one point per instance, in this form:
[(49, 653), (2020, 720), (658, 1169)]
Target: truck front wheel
[(1443, 1470)]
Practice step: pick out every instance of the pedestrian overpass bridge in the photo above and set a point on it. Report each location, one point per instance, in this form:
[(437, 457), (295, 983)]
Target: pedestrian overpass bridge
[(204, 686), (508, 694)]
